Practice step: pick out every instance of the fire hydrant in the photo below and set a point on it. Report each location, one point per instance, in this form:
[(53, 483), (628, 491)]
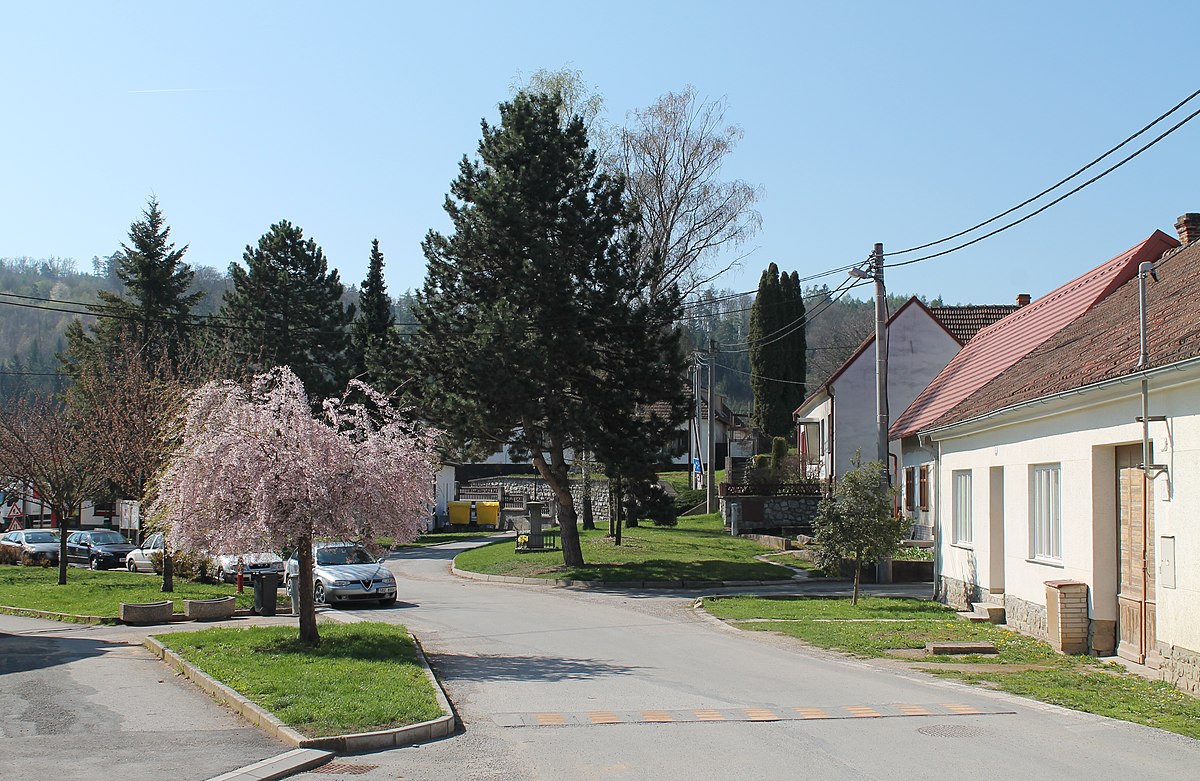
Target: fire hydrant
[(241, 578)]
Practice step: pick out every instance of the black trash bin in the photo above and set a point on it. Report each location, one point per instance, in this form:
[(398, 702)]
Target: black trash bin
[(265, 586)]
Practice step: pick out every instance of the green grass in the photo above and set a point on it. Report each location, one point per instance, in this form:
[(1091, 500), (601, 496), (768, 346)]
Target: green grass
[(1024, 666), (680, 480), (99, 593), (698, 549), (362, 677), (440, 537)]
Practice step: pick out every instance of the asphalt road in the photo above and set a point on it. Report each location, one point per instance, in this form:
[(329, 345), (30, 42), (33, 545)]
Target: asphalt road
[(85, 702), (570, 684)]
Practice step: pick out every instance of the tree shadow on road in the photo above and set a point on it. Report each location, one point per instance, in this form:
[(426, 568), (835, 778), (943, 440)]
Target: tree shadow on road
[(497, 667), (22, 653)]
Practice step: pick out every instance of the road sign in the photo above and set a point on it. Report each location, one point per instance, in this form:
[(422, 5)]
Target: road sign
[(696, 466)]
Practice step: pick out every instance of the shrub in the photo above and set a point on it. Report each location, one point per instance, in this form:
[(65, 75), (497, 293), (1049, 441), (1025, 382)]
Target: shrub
[(779, 451), (10, 555), (189, 566), (687, 499)]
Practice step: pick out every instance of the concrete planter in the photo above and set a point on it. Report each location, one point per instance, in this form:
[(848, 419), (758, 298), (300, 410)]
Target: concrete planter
[(209, 609), (147, 613)]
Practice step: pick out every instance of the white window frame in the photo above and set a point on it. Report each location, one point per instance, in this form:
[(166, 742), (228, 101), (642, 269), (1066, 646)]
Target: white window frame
[(961, 507), (1045, 512)]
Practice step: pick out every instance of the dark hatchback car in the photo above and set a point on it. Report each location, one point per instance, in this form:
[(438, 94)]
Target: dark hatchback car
[(99, 549), (36, 544)]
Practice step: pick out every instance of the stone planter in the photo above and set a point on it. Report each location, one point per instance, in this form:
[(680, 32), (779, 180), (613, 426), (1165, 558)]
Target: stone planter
[(209, 609), (147, 613)]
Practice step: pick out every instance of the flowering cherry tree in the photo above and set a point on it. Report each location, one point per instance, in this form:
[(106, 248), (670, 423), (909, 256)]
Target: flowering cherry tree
[(255, 469)]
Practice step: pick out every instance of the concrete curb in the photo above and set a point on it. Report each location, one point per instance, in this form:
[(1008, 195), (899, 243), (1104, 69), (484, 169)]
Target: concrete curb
[(615, 584), (66, 618), (353, 743), (280, 766)]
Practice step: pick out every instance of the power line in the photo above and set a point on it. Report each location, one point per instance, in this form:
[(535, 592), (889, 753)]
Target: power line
[(1054, 186), (795, 325), (1057, 200)]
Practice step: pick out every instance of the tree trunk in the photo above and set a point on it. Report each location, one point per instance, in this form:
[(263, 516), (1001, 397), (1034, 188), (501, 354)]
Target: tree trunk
[(619, 511), (857, 578), (62, 554), (168, 584), (589, 521), (556, 476), (309, 636)]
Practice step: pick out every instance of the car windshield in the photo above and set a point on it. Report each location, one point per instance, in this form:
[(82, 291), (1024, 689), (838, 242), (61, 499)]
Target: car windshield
[(40, 537), (333, 556), (108, 538)]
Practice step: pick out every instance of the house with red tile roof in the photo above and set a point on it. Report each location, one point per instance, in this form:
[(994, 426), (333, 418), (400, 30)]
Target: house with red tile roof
[(992, 350), (1067, 481), (839, 419)]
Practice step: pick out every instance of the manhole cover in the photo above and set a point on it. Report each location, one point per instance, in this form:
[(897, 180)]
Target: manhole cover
[(954, 731), (344, 768)]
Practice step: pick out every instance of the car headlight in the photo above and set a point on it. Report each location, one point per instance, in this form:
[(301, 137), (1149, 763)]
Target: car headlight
[(341, 583), (389, 579)]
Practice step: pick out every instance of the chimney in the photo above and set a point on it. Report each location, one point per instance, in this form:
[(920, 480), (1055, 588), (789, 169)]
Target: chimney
[(1188, 226), (1022, 299)]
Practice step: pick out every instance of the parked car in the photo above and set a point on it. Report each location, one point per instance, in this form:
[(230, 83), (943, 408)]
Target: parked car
[(98, 548), (37, 544), (147, 557), (225, 566), (345, 572)]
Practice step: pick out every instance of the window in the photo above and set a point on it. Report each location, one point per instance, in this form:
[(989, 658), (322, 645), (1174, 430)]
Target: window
[(962, 506), (910, 489), (923, 489), (1045, 512)]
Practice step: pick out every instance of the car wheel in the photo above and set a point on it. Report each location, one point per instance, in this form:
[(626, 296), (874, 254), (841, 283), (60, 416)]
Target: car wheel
[(387, 602), (221, 575), (93, 563), (319, 593), (131, 565)]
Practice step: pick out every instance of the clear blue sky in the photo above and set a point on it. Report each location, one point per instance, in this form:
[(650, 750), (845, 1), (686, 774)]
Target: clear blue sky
[(864, 122)]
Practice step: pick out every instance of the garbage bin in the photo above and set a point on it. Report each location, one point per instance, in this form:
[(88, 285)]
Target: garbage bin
[(265, 586)]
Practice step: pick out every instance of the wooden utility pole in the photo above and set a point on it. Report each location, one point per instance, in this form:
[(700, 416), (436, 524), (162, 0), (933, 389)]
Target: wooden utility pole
[(710, 496)]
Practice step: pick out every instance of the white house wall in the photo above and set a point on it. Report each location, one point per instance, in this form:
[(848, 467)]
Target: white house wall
[(1080, 433), (918, 349)]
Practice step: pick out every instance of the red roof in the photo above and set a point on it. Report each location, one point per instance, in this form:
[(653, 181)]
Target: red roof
[(1002, 344), (1104, 343), (966, 321)]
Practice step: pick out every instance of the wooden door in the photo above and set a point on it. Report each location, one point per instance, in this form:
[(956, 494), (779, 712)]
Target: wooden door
[(1135, 586)]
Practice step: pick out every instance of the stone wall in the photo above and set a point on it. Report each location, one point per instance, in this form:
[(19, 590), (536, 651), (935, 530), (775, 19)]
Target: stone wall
[(1180, 667), (958, 594), (538, 490), (1028, 618), (755, 513)]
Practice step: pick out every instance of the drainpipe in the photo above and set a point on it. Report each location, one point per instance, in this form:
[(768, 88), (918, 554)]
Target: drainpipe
[(1145, 269)]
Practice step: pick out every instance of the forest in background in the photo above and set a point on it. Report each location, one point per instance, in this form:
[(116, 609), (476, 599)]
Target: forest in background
[(32, 331)]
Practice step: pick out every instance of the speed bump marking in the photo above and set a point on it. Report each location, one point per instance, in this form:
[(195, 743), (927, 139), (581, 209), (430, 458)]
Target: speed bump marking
[(736, 714)]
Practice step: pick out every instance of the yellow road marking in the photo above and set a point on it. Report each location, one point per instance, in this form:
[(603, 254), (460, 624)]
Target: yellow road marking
[(760, 714), (656, 715), (811, 713), (603, 717), (963, 709), (550, 719), (862, 712), (913, 710), (709, 715)]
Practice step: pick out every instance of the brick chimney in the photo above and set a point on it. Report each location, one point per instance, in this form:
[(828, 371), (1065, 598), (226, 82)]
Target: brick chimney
[(1188, 226), (1022, 299)]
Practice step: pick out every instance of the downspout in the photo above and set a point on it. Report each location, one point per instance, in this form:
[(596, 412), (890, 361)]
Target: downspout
[(1145, 269)]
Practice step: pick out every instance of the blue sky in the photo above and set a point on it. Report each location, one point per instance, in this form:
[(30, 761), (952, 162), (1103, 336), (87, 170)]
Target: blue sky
[(864, 122)]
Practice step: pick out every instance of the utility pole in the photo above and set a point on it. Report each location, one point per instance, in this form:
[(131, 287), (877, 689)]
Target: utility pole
[(710, 496), (881, 359)]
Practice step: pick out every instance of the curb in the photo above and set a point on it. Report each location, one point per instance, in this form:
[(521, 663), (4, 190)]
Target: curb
[(614, 584), (353, 743), (66, 618), (281, 766)]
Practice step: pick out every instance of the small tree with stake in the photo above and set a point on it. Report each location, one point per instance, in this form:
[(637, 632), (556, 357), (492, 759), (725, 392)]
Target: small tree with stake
[(857, 522), (255, 469)]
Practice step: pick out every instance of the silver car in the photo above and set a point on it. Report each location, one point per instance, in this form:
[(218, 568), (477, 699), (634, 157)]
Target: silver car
[(37, 544), (345, 572)]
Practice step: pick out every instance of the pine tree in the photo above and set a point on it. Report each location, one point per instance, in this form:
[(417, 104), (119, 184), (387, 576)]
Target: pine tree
[(534, 330), (155, 309), (794, 346), (777, 351), (373, 327), (285, 309)]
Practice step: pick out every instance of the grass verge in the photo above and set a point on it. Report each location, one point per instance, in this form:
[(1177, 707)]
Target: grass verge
[(697, 549), (363, 676), (1024, 666), (100, 593), (440, 537)]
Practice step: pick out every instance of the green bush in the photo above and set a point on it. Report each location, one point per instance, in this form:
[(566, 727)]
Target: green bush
[(188, 566), (687, 499), (10, 555)]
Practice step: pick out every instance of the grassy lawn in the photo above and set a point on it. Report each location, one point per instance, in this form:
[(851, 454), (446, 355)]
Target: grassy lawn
[(362, 677), (698, 549), (99, 593), (440, 537), (1023, 666), (679, 480)]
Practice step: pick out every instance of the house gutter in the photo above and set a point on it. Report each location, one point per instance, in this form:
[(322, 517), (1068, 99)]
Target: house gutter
[(937, 434)]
